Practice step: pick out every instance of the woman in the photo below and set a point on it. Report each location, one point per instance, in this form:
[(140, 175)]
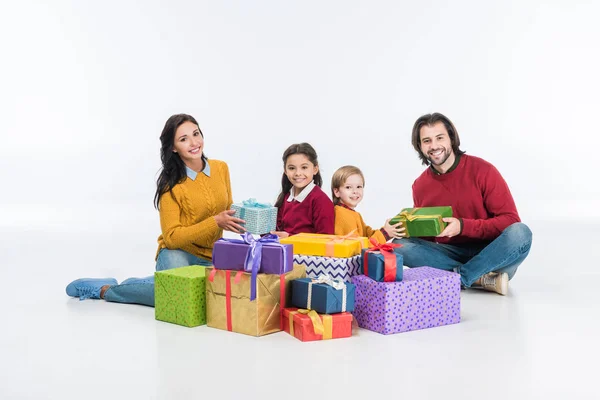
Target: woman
[(193, 196)]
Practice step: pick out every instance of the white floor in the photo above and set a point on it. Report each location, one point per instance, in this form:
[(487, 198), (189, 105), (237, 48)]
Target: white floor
[(541, 341)]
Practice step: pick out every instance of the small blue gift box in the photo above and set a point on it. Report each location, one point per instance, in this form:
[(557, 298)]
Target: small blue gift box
[(260, 218), (324, 295), (373, 264)]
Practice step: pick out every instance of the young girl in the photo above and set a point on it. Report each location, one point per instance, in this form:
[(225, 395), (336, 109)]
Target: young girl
[(347, 185), (193, 196), (302, 206)]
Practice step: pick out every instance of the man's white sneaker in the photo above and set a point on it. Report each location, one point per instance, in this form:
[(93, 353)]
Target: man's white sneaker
[(495, 282)]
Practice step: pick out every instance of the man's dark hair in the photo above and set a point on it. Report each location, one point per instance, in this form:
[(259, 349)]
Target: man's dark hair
[(430, 120)]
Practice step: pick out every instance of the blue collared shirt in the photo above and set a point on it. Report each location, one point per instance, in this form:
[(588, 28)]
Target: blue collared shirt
[(193, 174)]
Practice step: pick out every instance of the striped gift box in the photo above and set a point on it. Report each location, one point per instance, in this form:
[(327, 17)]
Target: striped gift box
[(337, 268)]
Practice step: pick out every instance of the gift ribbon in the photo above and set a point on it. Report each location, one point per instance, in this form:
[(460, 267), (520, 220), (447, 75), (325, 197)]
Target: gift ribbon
[(330, 246), (322, 327), (390, 267), (251, 203), (228, 298), (236, 280), (281, 299), (254, 255), (327, 280)]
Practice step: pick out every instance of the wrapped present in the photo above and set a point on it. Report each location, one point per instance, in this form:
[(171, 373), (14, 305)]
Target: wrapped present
[(252, 255), (309, 326), (314, 244), (423, 221), (381, 263), (324, 295), (426, 297), (179, 296), (229, 306), (338, 268), (260, 218)]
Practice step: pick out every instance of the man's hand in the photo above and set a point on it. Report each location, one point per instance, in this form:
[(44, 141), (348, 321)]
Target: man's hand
[(452, 229)]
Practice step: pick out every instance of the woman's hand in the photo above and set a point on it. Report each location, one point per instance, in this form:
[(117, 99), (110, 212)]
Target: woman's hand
[(395, 231), (227, 222), (281, 234)]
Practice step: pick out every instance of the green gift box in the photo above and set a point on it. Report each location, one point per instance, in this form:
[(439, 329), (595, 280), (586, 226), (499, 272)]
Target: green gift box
[(423, 221), (179, 295)]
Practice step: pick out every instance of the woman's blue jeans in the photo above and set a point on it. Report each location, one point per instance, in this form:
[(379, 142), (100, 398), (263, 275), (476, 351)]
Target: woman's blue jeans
[(503, 254), (141, 290)]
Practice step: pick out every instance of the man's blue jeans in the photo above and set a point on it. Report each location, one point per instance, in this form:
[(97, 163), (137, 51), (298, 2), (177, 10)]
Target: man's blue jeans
[(141, 290), (504, 254)]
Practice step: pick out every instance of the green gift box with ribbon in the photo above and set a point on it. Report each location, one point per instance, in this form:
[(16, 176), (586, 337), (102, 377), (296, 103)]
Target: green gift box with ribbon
[(260, 218), (423, 221), (179, 295)]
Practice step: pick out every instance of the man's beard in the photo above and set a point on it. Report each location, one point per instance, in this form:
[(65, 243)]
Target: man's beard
[(443, 159)]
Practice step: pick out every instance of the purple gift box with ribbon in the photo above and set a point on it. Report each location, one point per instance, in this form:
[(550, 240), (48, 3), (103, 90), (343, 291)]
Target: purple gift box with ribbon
[(265, 255), (425, 298)]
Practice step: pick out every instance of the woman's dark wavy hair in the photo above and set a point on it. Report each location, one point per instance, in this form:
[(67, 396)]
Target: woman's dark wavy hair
[(173, 168), (430, 120), (311, 154)]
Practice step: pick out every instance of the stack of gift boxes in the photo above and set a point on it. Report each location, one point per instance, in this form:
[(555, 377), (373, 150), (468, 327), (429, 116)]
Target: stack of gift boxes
[(323, 302), (336, 256), (259, 286), (391, 300)]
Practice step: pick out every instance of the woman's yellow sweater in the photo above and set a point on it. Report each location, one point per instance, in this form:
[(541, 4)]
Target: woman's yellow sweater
[(187, 216)]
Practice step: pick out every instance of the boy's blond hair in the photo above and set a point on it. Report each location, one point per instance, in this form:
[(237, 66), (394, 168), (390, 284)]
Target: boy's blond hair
[(339, 178)]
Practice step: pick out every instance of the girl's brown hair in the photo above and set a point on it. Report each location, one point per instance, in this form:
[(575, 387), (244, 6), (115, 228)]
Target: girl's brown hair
[(311, 154)]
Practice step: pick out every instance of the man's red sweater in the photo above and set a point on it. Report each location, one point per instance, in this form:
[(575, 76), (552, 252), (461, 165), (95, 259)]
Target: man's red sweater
[(478, 194), (315, 214)]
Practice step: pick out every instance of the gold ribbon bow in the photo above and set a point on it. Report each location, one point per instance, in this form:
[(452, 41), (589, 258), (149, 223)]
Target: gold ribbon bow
[(323, 328), (330, 246)]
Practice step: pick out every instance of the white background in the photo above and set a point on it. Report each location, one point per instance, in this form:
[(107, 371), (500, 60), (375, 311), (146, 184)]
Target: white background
[(85, 89)]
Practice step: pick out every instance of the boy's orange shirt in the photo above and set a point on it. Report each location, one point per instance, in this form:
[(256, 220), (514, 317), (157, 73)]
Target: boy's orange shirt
[(348, 220)]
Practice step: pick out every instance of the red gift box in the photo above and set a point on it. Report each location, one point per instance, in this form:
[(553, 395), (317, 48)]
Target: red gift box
[(309, 326)]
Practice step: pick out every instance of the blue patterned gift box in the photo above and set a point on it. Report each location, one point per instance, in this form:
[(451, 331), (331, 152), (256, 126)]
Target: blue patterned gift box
[(338, 268), (324, 295), (260, 218)]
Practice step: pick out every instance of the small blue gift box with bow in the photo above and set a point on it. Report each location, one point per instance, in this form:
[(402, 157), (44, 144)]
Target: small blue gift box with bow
[(324, 295), (260, 218)]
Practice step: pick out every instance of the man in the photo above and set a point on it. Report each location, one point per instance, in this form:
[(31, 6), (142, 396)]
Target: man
[(484, 241)]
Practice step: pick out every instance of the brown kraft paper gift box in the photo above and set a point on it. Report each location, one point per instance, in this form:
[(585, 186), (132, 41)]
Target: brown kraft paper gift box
[(228, 304)]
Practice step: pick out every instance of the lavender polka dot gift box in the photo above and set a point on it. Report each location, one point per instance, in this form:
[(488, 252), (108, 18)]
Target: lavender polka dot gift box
[(425, 298)]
